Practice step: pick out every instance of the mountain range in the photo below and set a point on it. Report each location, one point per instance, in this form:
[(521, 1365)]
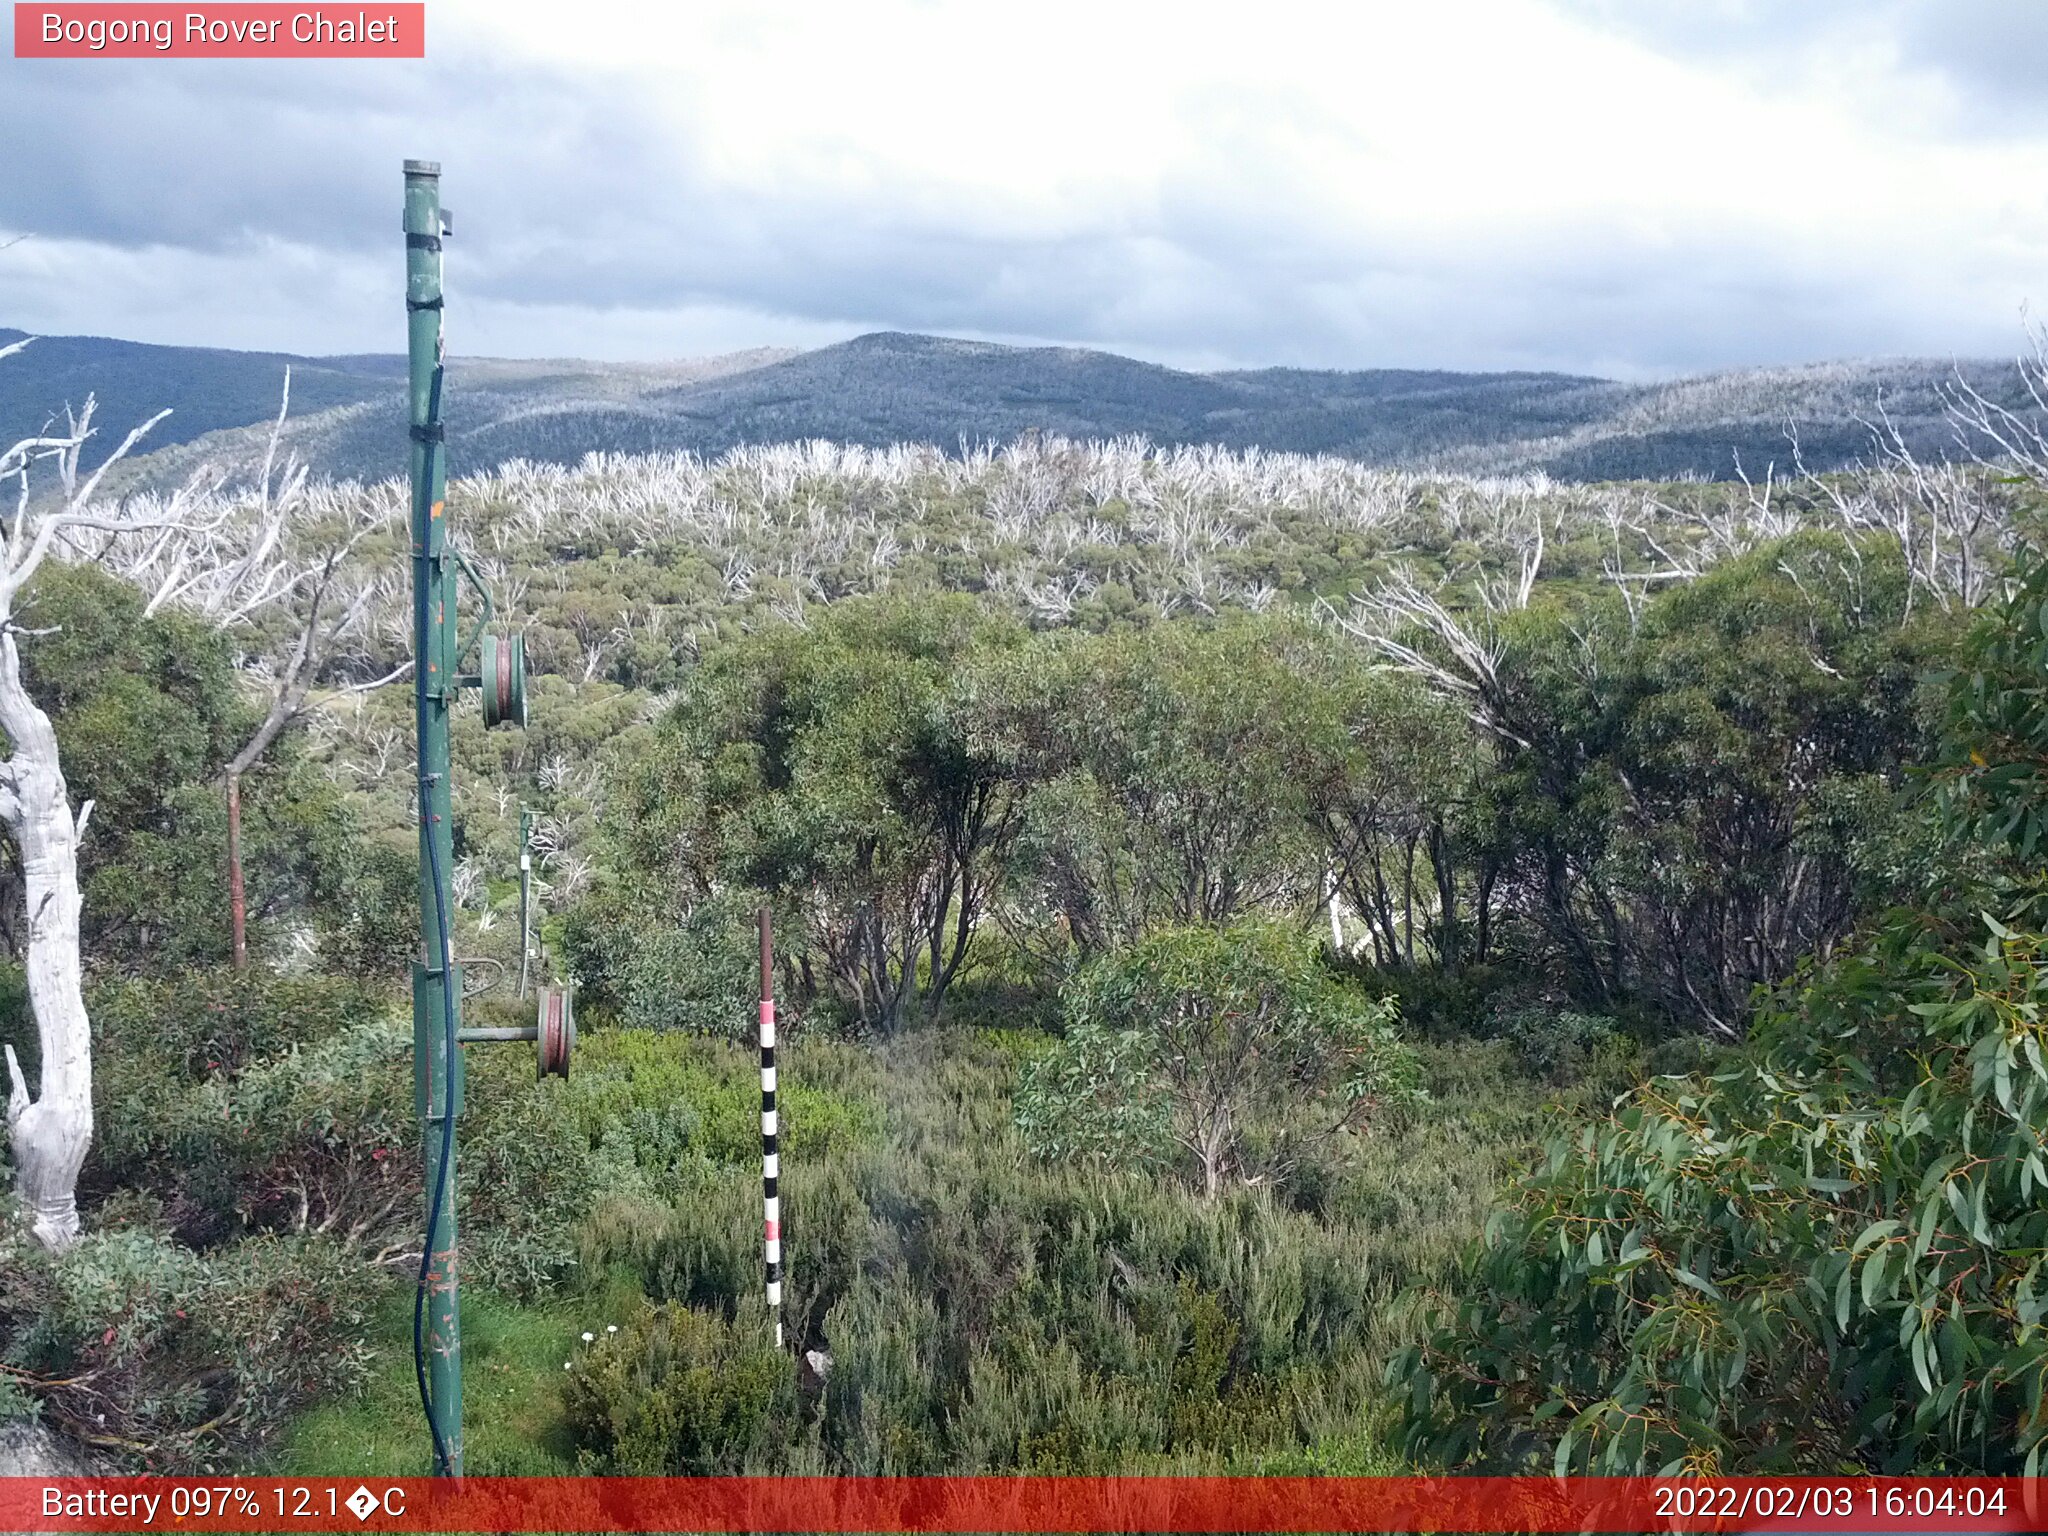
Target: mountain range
[(347, 413)]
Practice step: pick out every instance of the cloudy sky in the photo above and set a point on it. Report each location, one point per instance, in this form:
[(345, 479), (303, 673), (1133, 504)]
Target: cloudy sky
[(1625, 187)]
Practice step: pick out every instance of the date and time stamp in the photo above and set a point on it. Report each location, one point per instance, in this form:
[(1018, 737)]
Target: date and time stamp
[(1824, 1503)]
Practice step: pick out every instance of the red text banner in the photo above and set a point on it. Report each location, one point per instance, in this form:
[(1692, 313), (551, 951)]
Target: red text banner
[(216, 31), (1033, 1504)]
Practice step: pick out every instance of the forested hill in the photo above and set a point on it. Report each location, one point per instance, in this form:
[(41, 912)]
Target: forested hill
[(891, 387)]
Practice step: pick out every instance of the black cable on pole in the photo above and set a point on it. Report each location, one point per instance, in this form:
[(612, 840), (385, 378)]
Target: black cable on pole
[(419, 1299), (421, 619)]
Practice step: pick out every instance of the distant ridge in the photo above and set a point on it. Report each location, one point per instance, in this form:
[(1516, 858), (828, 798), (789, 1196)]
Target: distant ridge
[(894, 387)]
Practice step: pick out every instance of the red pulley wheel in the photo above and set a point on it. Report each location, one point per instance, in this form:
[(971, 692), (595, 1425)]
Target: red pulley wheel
[(503, 679), (557, 1040)]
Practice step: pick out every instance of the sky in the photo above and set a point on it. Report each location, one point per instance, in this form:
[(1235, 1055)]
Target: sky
[(1632, 188)]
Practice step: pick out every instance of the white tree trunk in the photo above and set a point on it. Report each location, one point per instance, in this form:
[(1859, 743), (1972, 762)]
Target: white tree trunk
[(48, 1134)]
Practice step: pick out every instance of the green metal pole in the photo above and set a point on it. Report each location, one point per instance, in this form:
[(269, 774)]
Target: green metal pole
[(437, 987)]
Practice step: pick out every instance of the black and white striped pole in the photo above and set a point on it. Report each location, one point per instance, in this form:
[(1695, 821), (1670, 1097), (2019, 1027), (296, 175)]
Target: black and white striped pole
[(771, 1158)]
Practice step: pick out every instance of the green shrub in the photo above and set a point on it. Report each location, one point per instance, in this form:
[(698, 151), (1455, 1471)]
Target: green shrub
[(1562, 1045), (268, 1134), (151, 1352), (1221, 1052), (1841, 1229), (526, 1174), (679, 1392), (884, 1407), (369, 924), (989, 1311), (662, 1103), (697, 974), (266, 1104), (1441, 1005), (200, 1023)]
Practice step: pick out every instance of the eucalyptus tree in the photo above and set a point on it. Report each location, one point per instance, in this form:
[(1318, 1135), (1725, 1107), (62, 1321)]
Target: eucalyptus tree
[(1170, 771), (1687, 791), (1841, 1225), (830, 768), (1391, 793)]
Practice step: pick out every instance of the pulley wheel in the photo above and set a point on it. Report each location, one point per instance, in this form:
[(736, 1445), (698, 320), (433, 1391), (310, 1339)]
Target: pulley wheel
[(502, 673), (557, 1039)]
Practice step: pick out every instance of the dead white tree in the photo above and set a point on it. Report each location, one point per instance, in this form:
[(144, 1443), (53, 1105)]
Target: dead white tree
[(50, 1130), (1414, 632), (325, 616), (279, 547)]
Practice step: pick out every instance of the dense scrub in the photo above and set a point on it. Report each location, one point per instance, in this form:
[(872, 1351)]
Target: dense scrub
[(626, 573), (985, 1310), (1249, 797), (1658, 808), (1841, 1230)]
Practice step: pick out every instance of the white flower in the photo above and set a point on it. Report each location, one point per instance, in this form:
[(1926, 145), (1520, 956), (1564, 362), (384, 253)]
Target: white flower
[(588, 1337), (611, 1327), (565, 1365)]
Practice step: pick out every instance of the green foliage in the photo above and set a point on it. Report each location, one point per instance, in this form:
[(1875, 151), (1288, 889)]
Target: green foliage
[(827, 767), (185, 1362), (202, 1022), (1098, 1095), (697, 975), (370, 918), (1392, 784), (990, 1311), (1167, 771), (954, 814), (1991, 783), (1442, 1004), (147, 711), (657, 1106), (1560, 1044), (1840, 1233), (1690, 799), (1840, 1229), (679, 1392), (1670, 805), (248, 1102), (1220, 1052)]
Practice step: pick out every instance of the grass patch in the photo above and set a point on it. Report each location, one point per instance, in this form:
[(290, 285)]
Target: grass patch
[(511, 1382)]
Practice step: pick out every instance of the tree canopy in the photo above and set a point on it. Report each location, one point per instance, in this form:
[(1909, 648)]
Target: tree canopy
[(1841, 1230)]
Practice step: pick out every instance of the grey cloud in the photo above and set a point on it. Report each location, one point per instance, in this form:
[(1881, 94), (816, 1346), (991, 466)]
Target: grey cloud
[(1990, 55), (1993, 52), (569, 199), (207, 155)]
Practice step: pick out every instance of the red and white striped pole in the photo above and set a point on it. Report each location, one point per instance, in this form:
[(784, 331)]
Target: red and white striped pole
[(771, 1159)]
